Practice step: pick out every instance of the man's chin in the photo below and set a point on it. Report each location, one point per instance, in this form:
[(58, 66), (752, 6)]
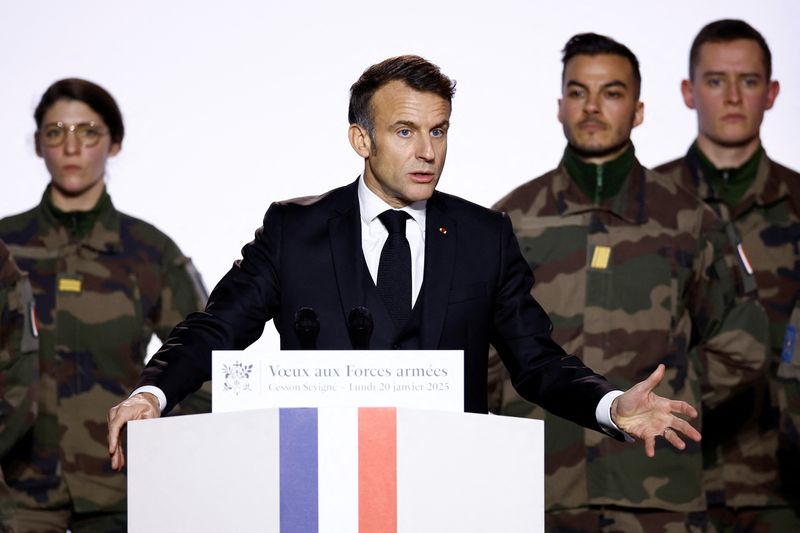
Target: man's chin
[(739, 140), (419, 192), (589, 151)]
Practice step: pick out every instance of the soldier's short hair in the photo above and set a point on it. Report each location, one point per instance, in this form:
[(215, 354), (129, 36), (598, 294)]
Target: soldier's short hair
[(592, 44), (726, 30), (90, 94), (416, 72)]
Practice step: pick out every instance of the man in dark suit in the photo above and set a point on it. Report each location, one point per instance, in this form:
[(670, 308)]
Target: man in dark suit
[(433, 270)]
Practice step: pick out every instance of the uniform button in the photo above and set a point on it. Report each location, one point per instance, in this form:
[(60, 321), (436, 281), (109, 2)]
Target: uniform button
[(396, 346)]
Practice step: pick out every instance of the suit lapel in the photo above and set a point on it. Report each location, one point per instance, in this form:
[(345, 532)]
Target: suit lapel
[(440, 260), (344, 230), (353, 280)]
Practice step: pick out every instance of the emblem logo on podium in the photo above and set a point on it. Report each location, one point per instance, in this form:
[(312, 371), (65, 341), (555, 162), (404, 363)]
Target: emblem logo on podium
[(237, 377)]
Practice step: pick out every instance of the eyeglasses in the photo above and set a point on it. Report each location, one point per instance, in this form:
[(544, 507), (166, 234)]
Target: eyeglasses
[(55, 134)]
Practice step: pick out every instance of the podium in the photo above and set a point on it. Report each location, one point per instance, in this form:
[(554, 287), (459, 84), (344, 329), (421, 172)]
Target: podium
[(348, 470)]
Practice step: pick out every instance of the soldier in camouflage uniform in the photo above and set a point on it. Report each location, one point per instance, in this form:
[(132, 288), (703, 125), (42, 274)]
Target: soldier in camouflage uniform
[(103, 282), (19, 368), (633, 271), (752, 445)]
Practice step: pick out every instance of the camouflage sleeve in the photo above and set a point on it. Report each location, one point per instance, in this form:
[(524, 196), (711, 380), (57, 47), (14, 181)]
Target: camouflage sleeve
[(182, 292), (19, 354), (731, 326), (8, 508)]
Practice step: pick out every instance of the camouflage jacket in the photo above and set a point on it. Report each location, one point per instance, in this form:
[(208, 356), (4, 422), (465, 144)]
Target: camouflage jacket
[(643, 278), (19, 365), (753, 455), (99, 299)]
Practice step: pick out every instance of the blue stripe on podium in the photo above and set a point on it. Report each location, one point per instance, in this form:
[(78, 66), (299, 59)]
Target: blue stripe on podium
[(299, 471)]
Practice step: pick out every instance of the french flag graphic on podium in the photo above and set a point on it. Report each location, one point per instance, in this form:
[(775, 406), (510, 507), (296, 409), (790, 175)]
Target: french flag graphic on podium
[(336, 470), (357, 484), (353, 471)]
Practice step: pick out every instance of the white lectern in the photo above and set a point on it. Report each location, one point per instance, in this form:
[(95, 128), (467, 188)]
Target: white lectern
[(348, 470)]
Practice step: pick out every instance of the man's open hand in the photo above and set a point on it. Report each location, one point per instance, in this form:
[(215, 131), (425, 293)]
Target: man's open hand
[(645, 415)]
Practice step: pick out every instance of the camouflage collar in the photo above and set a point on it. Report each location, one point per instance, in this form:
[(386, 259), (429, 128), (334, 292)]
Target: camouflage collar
[(628, 204), (103, 237), (765, 190)]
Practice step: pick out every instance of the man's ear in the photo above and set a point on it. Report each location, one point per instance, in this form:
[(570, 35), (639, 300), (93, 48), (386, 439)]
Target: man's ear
[(360, 140), (772, 93), (558, 113), (688, 94), (638, 116)]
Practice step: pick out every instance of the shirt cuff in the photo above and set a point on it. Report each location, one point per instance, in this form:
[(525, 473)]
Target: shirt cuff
[(603, 415), (162, 398)]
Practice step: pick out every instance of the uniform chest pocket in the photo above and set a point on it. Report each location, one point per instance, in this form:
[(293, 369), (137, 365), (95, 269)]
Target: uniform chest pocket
[(100, 327), (631, 309), (635, 292)]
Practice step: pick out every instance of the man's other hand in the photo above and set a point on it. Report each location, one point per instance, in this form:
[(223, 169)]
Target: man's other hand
[(137, 407)]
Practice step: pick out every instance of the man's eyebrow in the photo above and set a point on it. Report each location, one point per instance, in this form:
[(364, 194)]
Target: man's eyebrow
[(577, 83), (615, 83), (411, 124), (711, 73), (612, 83)]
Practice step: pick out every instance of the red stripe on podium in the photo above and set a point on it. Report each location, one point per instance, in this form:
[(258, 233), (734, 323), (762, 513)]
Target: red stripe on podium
[(377, 470)]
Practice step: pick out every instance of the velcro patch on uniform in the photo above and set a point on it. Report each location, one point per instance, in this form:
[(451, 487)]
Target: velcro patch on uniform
[(67, 284), (789, 345), (600, 257), (789, 367)]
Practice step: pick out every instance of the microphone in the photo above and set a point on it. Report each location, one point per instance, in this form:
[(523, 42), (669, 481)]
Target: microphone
[(306, 326), (359, 326)]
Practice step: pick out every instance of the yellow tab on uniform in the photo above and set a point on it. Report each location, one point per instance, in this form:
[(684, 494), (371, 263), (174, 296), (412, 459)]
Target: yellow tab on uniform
[(69, 285), (600, 257)]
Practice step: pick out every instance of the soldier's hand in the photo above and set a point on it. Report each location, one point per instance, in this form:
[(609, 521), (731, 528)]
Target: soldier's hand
[(645, 415), (137, 407)]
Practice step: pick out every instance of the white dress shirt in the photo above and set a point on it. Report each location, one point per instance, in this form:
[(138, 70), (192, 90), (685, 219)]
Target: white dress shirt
[(374, 235)]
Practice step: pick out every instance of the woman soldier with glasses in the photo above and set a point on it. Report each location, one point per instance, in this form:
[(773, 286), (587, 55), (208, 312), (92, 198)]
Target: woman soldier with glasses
[(103, 282)]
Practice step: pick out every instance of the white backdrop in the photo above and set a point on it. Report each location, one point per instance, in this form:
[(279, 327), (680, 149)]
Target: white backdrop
[(231, 106)]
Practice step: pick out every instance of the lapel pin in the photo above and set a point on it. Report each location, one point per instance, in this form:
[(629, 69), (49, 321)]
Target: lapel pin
[(442, 230)]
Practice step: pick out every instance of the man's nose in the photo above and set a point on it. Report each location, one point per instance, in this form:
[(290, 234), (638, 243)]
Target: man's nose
[(733, 93), (592, 103), (425, 149)]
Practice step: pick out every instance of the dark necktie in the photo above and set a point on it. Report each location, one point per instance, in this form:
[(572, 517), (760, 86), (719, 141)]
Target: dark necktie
[(394, 269)]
